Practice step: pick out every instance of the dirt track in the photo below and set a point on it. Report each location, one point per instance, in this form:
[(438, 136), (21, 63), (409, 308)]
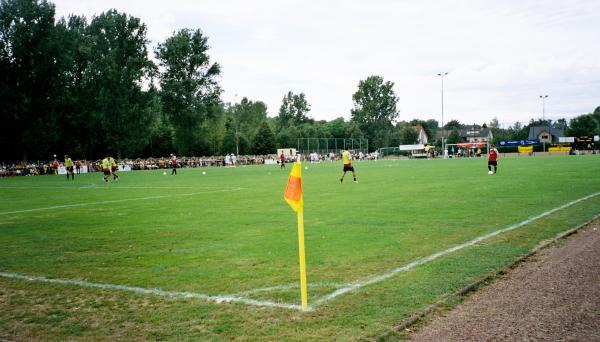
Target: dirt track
[(552, 296)]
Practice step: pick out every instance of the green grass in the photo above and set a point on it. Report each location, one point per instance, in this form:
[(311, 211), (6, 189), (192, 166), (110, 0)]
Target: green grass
[(230, 231)]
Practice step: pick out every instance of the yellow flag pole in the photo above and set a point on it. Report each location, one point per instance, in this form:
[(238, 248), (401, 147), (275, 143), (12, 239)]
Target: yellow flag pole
[(303, 291)]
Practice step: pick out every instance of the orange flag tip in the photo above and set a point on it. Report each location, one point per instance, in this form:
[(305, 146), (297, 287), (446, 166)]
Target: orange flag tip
[(293, 190)]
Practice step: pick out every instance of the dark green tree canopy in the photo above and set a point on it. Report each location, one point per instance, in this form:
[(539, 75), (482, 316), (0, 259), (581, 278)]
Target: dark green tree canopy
[(375, 110), (190, 91), (293, 111)]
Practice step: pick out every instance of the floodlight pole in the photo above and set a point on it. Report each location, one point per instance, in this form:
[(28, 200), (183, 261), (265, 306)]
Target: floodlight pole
[(544, 97), (441, 75)]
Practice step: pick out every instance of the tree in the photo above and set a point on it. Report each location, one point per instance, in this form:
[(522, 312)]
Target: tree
[(408, 135), (494, 123), (264, 141), (190, 92), (246, 118), (28, 78), (583, 125), (453, 137), (453, 124), (293, 110), (375, 109), (118, 66)]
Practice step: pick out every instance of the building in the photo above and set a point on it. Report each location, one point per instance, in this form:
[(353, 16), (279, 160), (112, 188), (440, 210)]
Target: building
[(481, 135), (546, 134)]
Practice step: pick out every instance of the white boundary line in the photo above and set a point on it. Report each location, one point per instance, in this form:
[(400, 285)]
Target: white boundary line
[(117, 201), (158, 292), (359, 284)]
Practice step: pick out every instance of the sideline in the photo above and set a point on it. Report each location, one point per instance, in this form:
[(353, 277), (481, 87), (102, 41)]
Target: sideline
[(117, 201), (360, 284)]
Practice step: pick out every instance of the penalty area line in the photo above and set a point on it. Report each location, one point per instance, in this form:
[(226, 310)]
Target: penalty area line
[(117, 201), (219, 299), (375, 279)]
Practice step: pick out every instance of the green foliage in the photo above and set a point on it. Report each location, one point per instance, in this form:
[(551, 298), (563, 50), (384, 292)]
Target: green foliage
[(375, 109), (190, 92), (29, 76), (293, 110), (453, 137), (118, 65), (264, 140), (583, 125), (453, 124), (408, 135)]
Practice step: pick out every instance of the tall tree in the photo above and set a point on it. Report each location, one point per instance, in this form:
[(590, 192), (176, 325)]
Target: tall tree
[(583, 125), (28, 78), (293, 111), (454, 136), (190, 91), (375, 109), (264, 141), (119, 65), (453, 124), (494, 123), (247, 117), (408, 135)]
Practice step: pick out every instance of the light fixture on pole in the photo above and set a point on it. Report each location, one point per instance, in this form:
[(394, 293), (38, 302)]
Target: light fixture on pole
[(544, 97), (441, 75)]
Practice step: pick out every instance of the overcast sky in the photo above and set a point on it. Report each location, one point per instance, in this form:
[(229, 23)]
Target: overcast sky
[(500, 55)]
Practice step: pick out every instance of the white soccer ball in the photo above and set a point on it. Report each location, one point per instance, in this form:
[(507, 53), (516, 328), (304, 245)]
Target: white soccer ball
[(164, 173), (203, 172), (490, 172), (306, 168)]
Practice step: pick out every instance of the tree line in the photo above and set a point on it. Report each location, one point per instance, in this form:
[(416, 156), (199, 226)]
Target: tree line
[(90, 88)]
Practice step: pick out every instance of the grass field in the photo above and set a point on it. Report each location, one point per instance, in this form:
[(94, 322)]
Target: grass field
[(222, 247)]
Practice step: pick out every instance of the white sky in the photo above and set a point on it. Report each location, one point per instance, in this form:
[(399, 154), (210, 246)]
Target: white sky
[(500, 55)]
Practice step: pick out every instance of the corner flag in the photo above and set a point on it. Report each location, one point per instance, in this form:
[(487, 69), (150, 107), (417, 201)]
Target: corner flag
[(293, 190), (293, 196)]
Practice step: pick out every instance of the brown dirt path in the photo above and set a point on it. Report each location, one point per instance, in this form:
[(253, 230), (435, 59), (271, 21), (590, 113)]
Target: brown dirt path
[(552, 296)]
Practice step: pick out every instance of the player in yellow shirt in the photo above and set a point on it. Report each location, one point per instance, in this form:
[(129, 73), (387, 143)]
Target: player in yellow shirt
[(113, 168), (347, 160), (106, 168), (69, 167)]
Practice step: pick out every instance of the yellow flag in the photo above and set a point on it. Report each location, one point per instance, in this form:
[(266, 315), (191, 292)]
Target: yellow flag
[(293, 190), (293, 195)]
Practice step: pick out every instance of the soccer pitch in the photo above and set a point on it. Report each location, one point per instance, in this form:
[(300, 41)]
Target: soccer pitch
[(215, 256)]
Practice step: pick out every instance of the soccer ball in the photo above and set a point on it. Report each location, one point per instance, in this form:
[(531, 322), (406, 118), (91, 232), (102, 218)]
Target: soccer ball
[(306, 168), (164, 173), (490, 172), (203, 172)]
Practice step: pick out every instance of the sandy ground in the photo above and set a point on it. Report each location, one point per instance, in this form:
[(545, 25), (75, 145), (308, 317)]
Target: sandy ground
[(552, 296)]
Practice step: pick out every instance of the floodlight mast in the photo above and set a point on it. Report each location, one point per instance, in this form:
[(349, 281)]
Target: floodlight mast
[(441, 75), (544, 97)]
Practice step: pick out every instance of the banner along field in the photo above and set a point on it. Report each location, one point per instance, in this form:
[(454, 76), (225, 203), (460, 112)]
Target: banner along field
[(215, 256)]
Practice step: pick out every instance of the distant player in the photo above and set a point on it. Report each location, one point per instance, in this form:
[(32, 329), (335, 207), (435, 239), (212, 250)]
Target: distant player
[(113, 168), (493, 159), (78, 166), (173, 164), (282, 160), (347, 165), (106, 168), (69, 167), (55, 165)]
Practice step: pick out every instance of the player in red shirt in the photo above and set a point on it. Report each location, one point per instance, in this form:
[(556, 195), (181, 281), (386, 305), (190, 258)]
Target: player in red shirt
[(493, 159), (282, 160), (173, 164)]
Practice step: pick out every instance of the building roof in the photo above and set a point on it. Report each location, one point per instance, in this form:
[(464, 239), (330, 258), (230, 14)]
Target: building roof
[(535, 131), (475, 133)]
